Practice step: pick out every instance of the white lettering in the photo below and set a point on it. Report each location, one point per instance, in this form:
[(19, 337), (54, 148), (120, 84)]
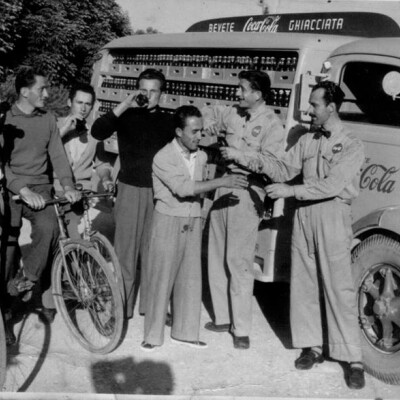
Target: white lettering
[(316, 24), (222, 27), (269, 24)]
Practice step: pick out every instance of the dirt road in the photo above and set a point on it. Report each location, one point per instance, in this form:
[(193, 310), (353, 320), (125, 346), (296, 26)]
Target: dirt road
[(47, 359)]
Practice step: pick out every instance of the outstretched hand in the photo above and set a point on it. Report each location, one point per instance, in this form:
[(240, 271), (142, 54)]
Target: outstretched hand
[(236, 181)]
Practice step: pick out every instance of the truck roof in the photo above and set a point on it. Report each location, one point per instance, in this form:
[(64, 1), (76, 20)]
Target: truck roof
[(236, 40), (379, 46), (364, 24)]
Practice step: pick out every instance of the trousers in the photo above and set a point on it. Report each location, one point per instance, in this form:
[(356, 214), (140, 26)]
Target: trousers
[(233, 232), (45, 233), (133, 213), (321, 262), (174, 266)]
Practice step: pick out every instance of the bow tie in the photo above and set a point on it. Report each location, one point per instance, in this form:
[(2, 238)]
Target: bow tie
[(321, 131)]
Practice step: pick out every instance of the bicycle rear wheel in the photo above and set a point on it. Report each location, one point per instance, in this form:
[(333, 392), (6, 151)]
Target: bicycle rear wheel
[(106, 249), (87, 297)]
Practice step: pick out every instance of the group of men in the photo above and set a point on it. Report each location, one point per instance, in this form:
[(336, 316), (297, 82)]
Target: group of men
[(158, 207)]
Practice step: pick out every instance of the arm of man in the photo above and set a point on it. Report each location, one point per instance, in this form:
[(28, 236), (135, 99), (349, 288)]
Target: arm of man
[(61, 166), (171, 174), (107, 124), (342, 174)]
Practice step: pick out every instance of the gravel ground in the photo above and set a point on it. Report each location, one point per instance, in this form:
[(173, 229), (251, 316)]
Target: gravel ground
[(53, 362)]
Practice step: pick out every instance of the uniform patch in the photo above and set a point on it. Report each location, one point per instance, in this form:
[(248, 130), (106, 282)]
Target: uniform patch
[(256, 131), (337, 148)]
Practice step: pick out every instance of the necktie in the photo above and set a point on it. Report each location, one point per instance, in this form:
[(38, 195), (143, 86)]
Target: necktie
[(321, 131)]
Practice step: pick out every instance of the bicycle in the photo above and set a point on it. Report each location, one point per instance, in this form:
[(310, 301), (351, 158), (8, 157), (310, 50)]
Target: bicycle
[(85, 284)]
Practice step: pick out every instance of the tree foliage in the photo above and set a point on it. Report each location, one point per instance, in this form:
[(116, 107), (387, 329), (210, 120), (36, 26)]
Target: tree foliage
[(61, 36)]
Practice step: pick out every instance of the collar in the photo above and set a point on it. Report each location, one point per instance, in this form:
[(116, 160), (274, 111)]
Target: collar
[(17, 112), (183, 152), (260, 110)]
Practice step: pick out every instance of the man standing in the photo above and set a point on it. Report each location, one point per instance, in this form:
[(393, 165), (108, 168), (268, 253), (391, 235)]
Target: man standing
[(85, 154), (329, 160), (142, 131), (32, 148), (251, 128), (174, 262)]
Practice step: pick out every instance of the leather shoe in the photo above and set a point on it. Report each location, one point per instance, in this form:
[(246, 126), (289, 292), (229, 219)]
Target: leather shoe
[(241, 342), (148, 347), (47, 315), (212, 326), (355, 378), (308, 358)]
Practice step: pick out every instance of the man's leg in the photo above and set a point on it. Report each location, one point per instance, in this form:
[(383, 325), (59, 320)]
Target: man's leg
[(217, 269), (129, 221), (166, 249), (187, 287), (242, 231), (144, 247), (45, 234), (335, 235), (305, 310)]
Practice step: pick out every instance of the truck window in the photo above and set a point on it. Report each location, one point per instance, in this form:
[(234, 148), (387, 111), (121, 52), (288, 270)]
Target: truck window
[(365, 101)]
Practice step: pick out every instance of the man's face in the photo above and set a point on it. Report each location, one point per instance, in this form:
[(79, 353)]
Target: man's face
[(152, 89), (37, 94), (318, 110), (247, 96), (189, 137), (81, 105)]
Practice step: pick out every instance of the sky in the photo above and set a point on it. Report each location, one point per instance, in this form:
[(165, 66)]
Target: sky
[(177, 15)]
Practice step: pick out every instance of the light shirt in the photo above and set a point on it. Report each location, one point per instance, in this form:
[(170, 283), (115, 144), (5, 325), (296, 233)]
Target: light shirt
[(188, 157)]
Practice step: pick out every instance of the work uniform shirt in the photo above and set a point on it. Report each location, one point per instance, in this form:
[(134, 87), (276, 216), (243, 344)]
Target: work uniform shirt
[(252, 135), (330, 166)]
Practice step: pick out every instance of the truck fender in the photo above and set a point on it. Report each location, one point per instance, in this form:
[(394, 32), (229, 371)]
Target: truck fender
[(387, 218)]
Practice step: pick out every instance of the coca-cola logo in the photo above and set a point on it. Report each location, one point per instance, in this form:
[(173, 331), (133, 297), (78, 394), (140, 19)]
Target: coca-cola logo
[(378, 177), (268, 24)]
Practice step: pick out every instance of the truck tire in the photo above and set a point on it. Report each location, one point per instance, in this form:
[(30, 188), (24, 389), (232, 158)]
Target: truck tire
[(376, 269)]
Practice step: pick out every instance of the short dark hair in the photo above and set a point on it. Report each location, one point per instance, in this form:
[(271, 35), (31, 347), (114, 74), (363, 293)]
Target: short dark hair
[(258, 80), (151, 73), (332, 93), (26, 77), (82, 87), (183, 113)]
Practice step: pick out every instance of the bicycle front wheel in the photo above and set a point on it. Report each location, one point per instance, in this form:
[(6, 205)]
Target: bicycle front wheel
[(3, 352), (106, 249), (87, 297)]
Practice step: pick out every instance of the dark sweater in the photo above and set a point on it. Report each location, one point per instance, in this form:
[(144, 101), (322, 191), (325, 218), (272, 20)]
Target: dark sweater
[(31, 148), (141, 134)]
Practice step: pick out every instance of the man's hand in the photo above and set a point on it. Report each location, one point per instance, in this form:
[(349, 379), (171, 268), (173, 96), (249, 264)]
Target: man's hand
[(235, 181), (229, 153), (32, 199), (71, 194), (69, 124), (279, 190), (255, 165), (213, 130), (108, 185)]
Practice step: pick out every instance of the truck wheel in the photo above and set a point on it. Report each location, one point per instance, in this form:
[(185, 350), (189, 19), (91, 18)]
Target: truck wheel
[(376, 269)]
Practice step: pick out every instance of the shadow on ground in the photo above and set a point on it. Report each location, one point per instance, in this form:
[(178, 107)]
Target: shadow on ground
[(124, 376), (273, 299)]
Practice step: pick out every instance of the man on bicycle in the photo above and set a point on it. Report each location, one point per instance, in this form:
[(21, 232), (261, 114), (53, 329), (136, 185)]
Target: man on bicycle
[(32, 149)]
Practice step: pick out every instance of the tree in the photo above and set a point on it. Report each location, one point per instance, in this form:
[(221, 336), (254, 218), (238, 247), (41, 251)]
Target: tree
[(61, 36)]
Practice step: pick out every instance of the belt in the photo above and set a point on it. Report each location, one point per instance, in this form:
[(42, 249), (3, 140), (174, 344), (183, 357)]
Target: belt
[(305, 203)]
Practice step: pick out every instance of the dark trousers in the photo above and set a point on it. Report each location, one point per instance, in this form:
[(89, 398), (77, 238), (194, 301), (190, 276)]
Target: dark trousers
[(44, 236)]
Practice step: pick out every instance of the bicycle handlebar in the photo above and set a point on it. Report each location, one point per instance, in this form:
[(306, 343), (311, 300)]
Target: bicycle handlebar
[(63, 200)]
